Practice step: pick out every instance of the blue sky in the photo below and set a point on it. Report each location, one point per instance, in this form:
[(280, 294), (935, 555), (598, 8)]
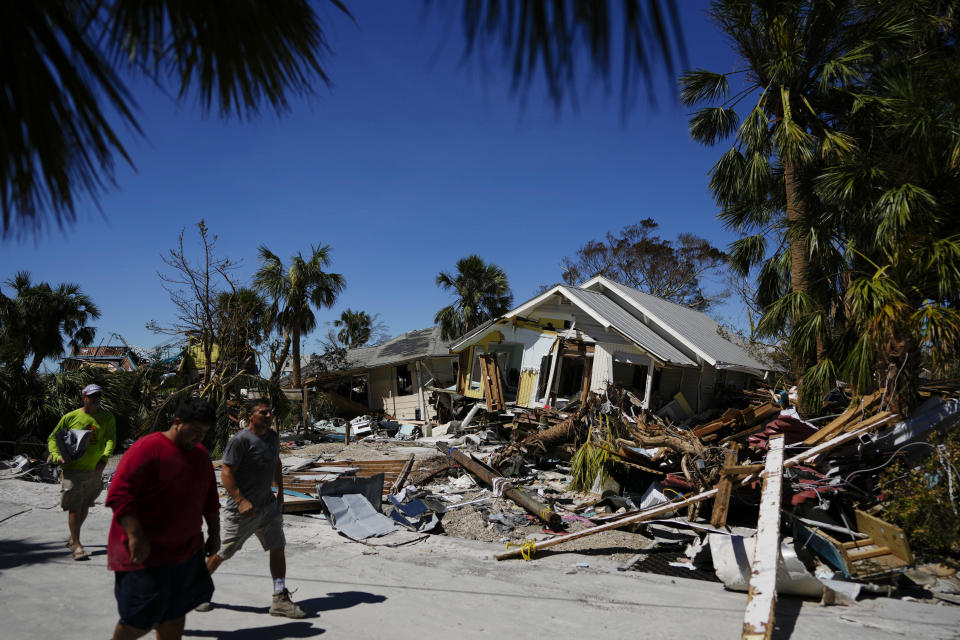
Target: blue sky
[(410, 160)]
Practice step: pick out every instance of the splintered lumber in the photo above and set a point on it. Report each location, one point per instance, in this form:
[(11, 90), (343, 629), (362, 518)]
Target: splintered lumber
[(491, 478), (740, 469), (762, 596), (721, 504), (748, 417), (493, 387), (866, 405), (646, 514), (810, 454), (403, 475)]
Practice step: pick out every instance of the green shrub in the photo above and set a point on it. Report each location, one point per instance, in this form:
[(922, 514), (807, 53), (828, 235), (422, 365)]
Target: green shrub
[(917, 497)]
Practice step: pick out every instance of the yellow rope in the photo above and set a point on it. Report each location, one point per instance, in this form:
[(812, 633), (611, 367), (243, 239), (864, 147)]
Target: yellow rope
[(527, 549)]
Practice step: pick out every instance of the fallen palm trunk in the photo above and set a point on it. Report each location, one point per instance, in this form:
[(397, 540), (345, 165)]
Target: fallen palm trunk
[(690, 446), (559, 434), (497, 481), (646, 514)]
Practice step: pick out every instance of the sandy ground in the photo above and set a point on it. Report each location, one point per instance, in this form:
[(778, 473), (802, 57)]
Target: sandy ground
[(439, 586)]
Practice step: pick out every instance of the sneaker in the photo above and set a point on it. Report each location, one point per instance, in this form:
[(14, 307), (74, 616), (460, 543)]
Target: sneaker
[(283, 606), (203, 607)]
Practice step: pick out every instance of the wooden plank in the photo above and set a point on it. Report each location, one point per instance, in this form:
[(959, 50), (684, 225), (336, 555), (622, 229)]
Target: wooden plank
[(762, 596), (863, 554), (403, 475), (865, 406), (886, 534), (740, 469), (493, 385), (721, 504)]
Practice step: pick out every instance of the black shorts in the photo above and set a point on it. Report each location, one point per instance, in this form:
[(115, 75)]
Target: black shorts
[(147, 597)]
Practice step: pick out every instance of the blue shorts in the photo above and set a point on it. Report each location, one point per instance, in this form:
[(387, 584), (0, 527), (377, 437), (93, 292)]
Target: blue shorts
[(147, 597)]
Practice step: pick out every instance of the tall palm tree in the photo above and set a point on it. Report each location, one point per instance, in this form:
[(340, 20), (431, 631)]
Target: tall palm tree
[(482, 292), (356, 327), (37, 321), (800, 58), (894, 203), (293, 292)]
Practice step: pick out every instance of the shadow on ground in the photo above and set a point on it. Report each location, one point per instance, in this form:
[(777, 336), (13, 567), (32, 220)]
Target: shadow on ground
[(341, 600), (332, 601), (785, 616), (277, 632), (16, 553)]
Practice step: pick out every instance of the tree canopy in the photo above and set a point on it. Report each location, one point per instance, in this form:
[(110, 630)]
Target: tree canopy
[(41, 321), (481, 290), (673, 270)]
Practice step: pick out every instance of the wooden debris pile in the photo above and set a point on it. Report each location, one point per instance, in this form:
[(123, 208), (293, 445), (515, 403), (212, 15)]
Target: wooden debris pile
[(811, 484)]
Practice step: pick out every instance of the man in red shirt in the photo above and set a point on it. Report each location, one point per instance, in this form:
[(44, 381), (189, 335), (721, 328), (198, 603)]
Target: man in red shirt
[(163, 489)]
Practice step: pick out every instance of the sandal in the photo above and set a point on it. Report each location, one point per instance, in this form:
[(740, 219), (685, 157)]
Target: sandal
[(80, 554)]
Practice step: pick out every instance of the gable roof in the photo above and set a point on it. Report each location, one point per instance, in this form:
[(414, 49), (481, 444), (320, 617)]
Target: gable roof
[(694, 329), (606, 313), (613, 316)]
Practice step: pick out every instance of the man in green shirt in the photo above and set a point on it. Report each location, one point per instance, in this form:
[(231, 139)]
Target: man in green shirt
[(82, 466)]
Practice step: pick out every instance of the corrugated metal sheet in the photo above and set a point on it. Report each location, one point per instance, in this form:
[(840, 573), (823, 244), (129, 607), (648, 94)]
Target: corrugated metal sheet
[(602, 373), (695, 327), (630, 326)]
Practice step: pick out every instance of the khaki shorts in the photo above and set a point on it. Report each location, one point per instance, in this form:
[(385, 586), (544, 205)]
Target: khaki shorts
[(266, 522), (79, 488)]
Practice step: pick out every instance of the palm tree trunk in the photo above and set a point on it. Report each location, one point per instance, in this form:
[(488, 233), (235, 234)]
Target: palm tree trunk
[(799, 263), (277, 361), (35, 365), (297, 381), (296, 357)]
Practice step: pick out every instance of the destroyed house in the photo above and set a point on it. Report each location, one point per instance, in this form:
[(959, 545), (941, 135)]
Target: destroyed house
[(395, 377), (567, 341), (111, 357)]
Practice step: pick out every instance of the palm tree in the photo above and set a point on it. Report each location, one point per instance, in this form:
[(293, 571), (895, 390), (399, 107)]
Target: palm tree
[(77, 54), (800, 58), (293, 292), (894, 202), (57, 137), (482, 292), (38, 320), (240, 325), (356, 327)]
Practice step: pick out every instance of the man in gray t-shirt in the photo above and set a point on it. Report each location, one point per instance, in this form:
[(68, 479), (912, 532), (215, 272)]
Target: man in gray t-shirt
[(252, 459), (251, 464)]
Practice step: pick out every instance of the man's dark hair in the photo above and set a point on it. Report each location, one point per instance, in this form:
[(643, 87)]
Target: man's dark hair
[(253, 403), (196, 410)]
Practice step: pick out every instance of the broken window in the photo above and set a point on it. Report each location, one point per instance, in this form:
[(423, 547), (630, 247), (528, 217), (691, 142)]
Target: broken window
[(544, 374), (571, 377), (404, 380), (476, 372)]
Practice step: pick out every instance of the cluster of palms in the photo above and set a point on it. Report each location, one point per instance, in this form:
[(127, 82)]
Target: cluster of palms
[(843, 180), (35, 322)]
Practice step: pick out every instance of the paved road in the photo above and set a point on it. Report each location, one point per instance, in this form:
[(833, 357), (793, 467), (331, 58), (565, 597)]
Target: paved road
[(436, 588)]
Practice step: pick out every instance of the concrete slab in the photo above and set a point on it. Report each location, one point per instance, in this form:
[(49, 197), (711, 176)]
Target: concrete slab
[(438, 586)]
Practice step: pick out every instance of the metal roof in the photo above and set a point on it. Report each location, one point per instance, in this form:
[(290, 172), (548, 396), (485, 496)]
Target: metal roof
[(630, 326), (413, 345), (697, 329)]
